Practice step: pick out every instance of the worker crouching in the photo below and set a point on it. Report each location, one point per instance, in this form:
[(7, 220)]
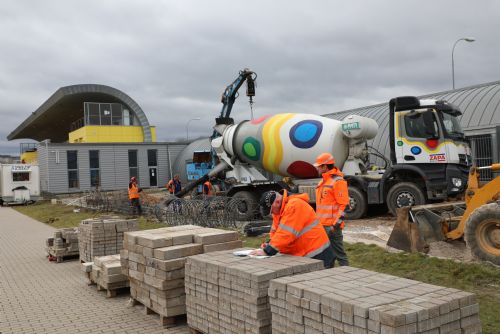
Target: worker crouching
[(295, 230)]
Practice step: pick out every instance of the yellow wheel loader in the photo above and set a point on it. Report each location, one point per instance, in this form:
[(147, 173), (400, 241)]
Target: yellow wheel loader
[(477, 220)]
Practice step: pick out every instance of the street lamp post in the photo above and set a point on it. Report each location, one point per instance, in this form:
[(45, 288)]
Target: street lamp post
[(467, 39), (187, 126)]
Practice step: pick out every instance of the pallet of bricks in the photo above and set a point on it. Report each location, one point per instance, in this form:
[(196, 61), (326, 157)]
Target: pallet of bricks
[(106, 273), (63, 244), (103, 236), (154, 262), (350, 300), (228, 294)]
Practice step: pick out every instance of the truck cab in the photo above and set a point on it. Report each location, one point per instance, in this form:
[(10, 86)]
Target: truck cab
[(428, 150)]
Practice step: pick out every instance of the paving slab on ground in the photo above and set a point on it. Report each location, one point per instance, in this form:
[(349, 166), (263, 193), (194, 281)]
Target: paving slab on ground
[(38, 296)]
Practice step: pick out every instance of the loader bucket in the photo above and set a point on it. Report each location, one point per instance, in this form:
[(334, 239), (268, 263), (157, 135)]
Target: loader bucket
[(406, 235), (418, 226)]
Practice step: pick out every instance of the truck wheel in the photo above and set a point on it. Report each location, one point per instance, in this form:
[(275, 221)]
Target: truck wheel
[(357, 204), (404, 194), (482, 232), (244, 205)]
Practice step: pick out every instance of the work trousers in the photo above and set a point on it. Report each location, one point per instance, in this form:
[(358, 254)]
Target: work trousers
[(337, 245), (327, 257), (135, 206)]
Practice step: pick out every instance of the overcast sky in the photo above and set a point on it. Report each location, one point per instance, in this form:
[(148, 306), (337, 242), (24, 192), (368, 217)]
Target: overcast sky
[(174, 58)]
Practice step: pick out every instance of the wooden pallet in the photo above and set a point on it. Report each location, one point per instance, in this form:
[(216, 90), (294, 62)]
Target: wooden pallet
[(194, 331), (165, 322), (112, 292), (61, 258)]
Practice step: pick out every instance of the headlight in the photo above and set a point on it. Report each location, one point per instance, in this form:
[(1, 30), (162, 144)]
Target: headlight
[(457, 182)]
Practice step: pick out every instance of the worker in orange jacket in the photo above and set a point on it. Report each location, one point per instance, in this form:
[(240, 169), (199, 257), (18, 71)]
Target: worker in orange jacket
[(295, 230), (208, 188), (174, 185), (332, 196), (133, 196)]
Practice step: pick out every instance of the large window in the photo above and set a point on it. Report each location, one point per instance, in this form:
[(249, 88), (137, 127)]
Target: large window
[(72, 159), (95, 180), (106, 114), (132, 164)]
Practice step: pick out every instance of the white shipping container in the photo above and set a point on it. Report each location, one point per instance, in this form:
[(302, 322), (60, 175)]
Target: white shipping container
[(19, 183)]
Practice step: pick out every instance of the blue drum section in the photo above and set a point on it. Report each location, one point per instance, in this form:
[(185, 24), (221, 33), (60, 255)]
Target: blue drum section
[(416, 150), (305, 133)]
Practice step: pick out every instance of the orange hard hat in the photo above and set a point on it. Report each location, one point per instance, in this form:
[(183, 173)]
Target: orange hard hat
[(324, 159)]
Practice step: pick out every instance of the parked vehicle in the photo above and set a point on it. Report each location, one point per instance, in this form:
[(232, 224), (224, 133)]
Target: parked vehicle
[(19, 184)]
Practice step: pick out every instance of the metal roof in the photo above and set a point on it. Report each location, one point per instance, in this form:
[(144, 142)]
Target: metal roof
[(480, 106), (53, 118)]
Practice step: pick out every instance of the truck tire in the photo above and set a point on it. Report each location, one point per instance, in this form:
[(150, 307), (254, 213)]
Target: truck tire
[(357, 204), (244, 205), (404, 194), (482, 232)]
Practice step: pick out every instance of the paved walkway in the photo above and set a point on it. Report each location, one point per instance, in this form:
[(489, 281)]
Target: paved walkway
[(38, 296)]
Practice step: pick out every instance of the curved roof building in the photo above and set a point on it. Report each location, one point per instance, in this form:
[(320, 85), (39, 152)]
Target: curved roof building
[(74, 107)]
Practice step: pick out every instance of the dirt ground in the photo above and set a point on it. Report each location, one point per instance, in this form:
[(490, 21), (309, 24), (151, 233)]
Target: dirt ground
[(376, 230)]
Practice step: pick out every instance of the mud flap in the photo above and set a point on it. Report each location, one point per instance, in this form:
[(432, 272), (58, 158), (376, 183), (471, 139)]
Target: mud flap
[(406, 234)]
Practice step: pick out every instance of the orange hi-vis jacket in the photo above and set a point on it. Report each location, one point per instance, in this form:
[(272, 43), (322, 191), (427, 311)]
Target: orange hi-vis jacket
[(210, 188), (171, 186), (332, 196), (296, 230), (133, 191)]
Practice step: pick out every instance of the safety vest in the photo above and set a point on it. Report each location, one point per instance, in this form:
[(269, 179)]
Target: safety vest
[(296, 230), (210, 188), (332, 197), (133, 191), (173, 186)]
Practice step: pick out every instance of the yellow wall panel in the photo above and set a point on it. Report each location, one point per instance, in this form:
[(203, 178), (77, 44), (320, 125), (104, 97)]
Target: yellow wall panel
[(109, 134)]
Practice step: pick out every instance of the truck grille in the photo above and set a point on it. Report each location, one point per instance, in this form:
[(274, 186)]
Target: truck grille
[(465, 159)]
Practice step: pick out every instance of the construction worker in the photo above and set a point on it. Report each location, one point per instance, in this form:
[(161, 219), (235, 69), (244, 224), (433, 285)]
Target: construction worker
[(133, 196), (295, 230), (174, 186), (332, 197), (208, 188)]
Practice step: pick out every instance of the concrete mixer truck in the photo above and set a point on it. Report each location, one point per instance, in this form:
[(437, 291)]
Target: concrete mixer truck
[(429, 158)]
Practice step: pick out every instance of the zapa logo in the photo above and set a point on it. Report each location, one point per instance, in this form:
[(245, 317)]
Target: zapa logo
[(437, 157)]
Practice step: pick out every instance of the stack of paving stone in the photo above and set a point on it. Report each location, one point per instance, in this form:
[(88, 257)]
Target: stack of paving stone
[(154, 262), (107, 274), (64, 243), (351, 300), (228, 294), (103, 236)]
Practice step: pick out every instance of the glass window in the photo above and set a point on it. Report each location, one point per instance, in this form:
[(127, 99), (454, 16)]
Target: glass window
[(94, 178), (94, 168), (105, 109), (93, 114), (72, 159), (452, 125), (152, 158), (132, 164), (94, 159), (20, 176), (421, 125), (116, 114), (73, 179)]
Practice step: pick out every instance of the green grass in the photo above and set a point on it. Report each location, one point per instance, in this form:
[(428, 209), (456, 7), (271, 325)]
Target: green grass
[(481, 279), (60, 216)]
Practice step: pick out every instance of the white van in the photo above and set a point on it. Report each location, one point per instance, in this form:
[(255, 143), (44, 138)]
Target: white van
[(19, 183)]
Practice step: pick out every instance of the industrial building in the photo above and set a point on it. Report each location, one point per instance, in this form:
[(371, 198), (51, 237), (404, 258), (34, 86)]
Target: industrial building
[(94, 136)]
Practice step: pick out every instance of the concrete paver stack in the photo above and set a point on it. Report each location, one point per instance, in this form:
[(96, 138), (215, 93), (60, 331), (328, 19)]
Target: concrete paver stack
[(351, 300), (228, 294), (154, 262), (64, 243), (103, 236), (106, 272)]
